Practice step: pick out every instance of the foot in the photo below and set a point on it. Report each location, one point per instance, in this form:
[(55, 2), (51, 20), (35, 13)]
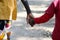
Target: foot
[(2, 36)]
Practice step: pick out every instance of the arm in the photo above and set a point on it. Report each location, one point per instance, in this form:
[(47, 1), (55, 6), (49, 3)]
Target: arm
[(26, 5), (29, 14), (48, 14)]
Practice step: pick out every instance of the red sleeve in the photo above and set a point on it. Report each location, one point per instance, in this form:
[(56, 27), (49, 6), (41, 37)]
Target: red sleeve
[(48, 14)]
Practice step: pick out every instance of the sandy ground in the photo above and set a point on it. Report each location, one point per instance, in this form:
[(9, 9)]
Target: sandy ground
[(23, 31)]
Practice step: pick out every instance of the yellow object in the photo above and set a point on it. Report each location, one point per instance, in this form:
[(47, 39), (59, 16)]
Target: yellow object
[(2, 36), (8, 10)]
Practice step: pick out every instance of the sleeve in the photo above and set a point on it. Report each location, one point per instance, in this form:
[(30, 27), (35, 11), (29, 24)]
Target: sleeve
[(48, 14), (26, 5)]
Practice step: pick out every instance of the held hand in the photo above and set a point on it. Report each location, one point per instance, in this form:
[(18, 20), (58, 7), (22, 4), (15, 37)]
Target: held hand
[(30, 19), (31, 22)]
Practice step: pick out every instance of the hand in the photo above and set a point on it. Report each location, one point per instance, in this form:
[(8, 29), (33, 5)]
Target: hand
[(29, 16), (30, 19), (31, 22)]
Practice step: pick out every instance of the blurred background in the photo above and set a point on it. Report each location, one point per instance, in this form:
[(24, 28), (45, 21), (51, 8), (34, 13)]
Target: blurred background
[(23, 31)]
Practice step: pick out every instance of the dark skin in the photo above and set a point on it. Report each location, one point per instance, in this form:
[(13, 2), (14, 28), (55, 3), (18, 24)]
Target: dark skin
[(29, 14)]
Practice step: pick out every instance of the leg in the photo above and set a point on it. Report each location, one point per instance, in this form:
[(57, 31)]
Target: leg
[(8, 24), (8, 35), (2, 23)]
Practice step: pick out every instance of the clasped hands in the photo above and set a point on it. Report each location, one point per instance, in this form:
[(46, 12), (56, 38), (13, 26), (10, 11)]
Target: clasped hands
[(30, 19)]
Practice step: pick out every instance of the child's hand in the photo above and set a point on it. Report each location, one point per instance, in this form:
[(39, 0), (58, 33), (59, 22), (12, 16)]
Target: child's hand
[(30, 19), (31, 22)]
